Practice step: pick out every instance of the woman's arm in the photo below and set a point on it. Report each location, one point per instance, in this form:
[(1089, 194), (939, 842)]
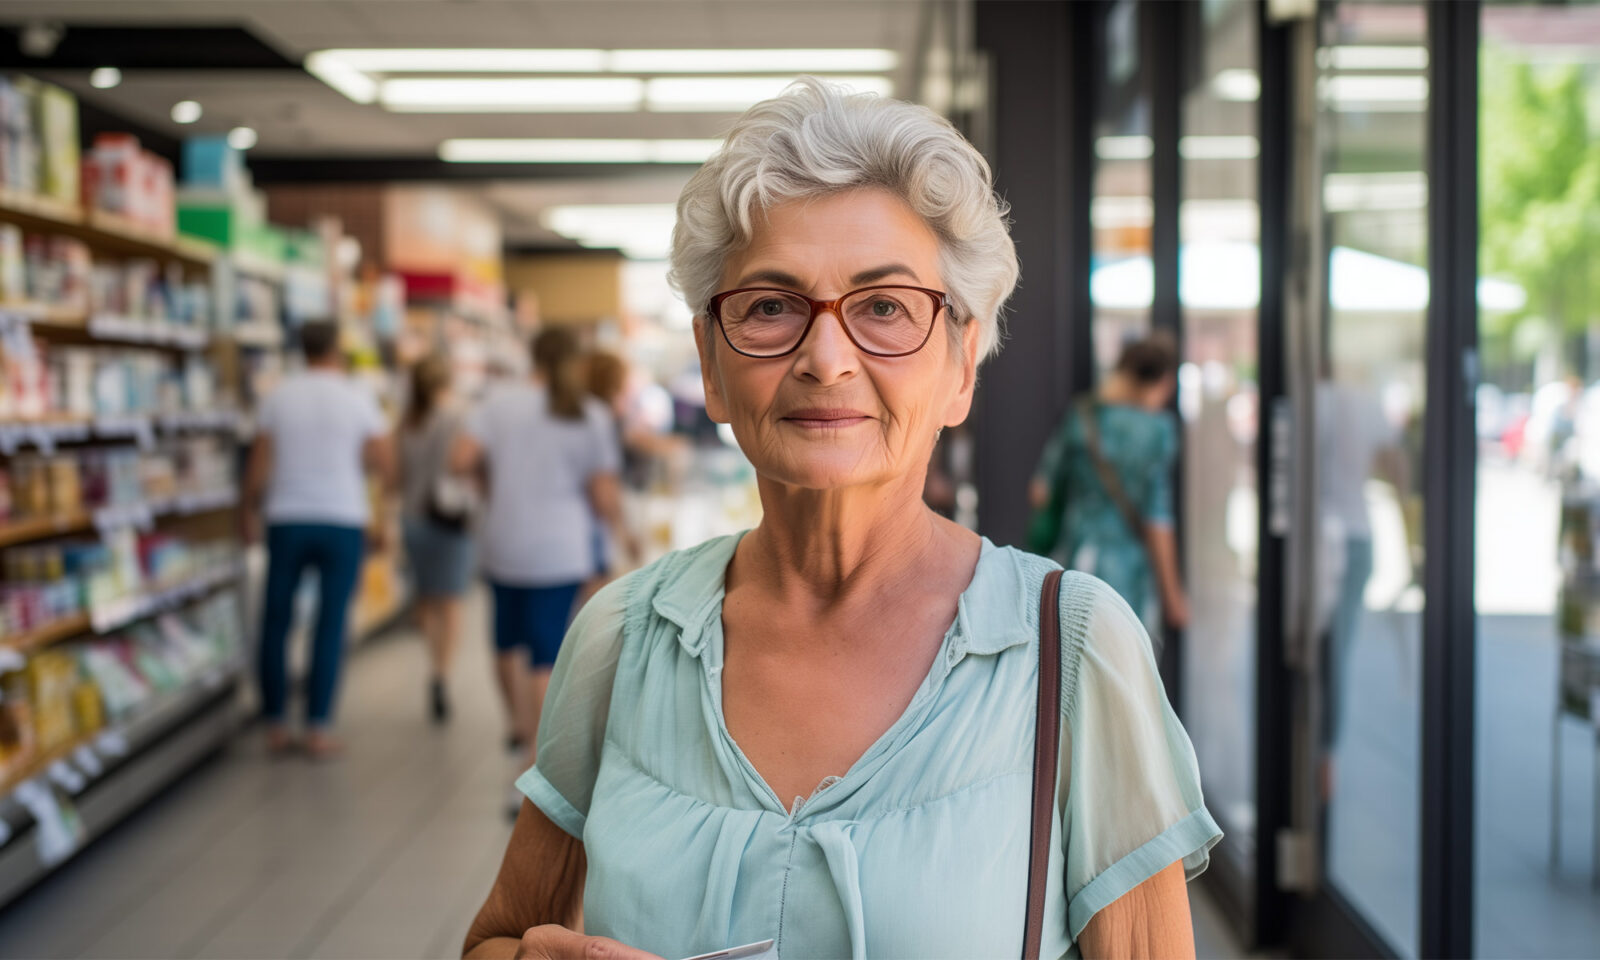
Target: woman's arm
[(605, 499), (1150, 921), (255, 487), (1163, 549), (537, 900)]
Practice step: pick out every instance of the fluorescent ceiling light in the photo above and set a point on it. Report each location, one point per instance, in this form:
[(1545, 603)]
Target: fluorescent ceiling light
[(469, 60), (1218, 148), (185, 111), (1123, 148), (241, 138), (1373, 58), (752, 61), (682, 94), (1236, 85), (341, 76), (576, 151), (511, 95), (104, 78)]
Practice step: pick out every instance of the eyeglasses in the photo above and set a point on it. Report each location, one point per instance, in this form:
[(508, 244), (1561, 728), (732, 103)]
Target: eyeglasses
[(887, 321)]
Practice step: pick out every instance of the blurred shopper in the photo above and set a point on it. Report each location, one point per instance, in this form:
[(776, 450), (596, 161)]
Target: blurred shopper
[(830, 718), (548, 453), (316, 434), (437, 510), (1103, 489)]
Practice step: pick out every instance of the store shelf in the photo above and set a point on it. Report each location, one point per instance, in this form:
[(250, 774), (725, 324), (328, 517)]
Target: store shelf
[(40, 528), (51, 633), (123, 767), (126, 611), (37, 212), (156, 333), (46, 315), (115, 230), (101, 230), (46, 435)]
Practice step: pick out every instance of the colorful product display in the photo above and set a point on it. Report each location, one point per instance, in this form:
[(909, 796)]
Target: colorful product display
[(187, 469), (66, 693), (38, 380), (47, 583)]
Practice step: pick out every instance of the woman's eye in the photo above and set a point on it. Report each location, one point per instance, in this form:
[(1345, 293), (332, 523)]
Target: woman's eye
[(771, 308), (884, 308)]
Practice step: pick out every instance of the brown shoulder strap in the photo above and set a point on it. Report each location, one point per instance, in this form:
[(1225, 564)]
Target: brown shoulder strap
[(1046, 758), (1109, 481)]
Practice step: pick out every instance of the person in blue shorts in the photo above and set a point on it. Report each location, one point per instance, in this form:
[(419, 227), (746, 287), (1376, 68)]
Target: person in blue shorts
[(549, 457)]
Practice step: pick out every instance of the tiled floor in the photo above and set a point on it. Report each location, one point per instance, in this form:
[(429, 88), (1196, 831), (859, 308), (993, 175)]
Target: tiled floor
[(385, 854)]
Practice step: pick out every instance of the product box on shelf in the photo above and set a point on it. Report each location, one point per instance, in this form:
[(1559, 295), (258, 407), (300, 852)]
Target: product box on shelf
[(121, 177), (55, 124)]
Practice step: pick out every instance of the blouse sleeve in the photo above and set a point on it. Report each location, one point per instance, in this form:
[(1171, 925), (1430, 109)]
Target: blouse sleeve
[(1130, 800), (572, 727), (1158, 499)]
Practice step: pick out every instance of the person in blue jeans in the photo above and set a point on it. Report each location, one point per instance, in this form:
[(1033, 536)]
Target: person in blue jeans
[(318, 434)]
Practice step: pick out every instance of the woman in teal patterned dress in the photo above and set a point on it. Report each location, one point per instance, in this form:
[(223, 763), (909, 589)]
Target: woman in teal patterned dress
[(1138, 439)]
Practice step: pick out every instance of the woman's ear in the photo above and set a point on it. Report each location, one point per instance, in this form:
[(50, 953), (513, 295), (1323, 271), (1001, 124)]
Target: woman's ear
[(716, 407), (961, 401)]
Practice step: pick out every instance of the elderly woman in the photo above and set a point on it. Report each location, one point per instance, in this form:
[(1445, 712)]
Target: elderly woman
[(821, 732)]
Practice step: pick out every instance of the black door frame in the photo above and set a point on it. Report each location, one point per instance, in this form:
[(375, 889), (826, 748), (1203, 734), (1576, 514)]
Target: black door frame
[(1326, 924)]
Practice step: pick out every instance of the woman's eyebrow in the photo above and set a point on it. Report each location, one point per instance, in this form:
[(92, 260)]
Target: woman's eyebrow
[(775, 277), (883, 272), (781, 279)]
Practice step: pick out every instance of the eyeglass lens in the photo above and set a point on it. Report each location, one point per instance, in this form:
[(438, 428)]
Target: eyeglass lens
[(885, 320)]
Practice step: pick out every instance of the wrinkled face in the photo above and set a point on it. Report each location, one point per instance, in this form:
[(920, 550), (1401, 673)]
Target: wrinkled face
[(829, 416)]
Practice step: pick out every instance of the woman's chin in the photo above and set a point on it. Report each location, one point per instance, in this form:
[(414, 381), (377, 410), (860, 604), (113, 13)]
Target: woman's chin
[(828, 472)]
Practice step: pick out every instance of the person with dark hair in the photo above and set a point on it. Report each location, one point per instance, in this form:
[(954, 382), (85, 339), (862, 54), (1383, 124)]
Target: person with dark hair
[(1103, 491), (436, 512), (550, 458), (316, 436)]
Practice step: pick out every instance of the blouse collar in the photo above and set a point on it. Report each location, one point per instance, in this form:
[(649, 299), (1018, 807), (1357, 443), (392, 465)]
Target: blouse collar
[(995, 612)]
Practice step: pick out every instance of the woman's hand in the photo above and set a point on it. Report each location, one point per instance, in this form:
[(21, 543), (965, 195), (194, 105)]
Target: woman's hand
[(553, 942)]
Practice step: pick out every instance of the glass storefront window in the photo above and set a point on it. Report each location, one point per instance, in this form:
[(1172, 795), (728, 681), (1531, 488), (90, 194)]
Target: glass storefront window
[(1220, 284), (1121, 283), (1373, 92), (1537, 588)]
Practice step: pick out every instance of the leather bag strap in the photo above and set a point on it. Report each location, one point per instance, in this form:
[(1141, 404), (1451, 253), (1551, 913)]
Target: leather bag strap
[(1088, 413), (1046, 759)]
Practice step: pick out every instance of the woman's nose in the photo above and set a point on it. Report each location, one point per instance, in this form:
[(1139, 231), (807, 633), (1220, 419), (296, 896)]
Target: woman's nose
[(827, 354)]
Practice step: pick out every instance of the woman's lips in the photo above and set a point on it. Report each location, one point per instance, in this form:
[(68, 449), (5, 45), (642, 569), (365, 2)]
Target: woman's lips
[(819, 418)]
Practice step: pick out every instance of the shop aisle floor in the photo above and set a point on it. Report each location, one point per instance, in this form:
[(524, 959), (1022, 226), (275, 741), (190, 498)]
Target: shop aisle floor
[(386, 853)]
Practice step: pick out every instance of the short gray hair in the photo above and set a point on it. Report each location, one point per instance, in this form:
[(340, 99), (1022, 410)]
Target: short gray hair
[(816, 139)]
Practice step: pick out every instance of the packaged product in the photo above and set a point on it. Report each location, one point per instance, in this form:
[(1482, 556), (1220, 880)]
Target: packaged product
[(55, 124)]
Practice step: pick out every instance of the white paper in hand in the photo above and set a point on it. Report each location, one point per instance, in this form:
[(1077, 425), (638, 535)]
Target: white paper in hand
[(763, 950)]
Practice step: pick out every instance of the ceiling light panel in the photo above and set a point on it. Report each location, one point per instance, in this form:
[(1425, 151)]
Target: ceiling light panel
[(753, 61), (341, 76), (692, 94), (511, 95), (576, 151), (470, 60)]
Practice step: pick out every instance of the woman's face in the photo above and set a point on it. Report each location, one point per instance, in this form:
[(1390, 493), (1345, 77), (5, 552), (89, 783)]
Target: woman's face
[(829, 416)]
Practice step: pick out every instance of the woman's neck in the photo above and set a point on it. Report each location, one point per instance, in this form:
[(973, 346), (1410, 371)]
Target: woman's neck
[(826, 546)]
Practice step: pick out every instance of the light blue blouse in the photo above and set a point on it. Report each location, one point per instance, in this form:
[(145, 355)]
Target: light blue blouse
[(918, 850)]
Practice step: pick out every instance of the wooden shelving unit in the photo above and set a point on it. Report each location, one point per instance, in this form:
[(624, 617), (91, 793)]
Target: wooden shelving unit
[(106, 232), (123, 765)]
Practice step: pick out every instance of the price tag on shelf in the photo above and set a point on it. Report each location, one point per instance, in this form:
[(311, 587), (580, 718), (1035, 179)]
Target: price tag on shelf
[(65, 776), (43, 438), (10, 440), (112, 743), (88, 762), (5, 833), (11, 661)]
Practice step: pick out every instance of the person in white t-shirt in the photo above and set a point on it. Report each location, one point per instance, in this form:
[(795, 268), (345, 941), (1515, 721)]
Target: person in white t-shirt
[(550, 457), (318, 434)]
